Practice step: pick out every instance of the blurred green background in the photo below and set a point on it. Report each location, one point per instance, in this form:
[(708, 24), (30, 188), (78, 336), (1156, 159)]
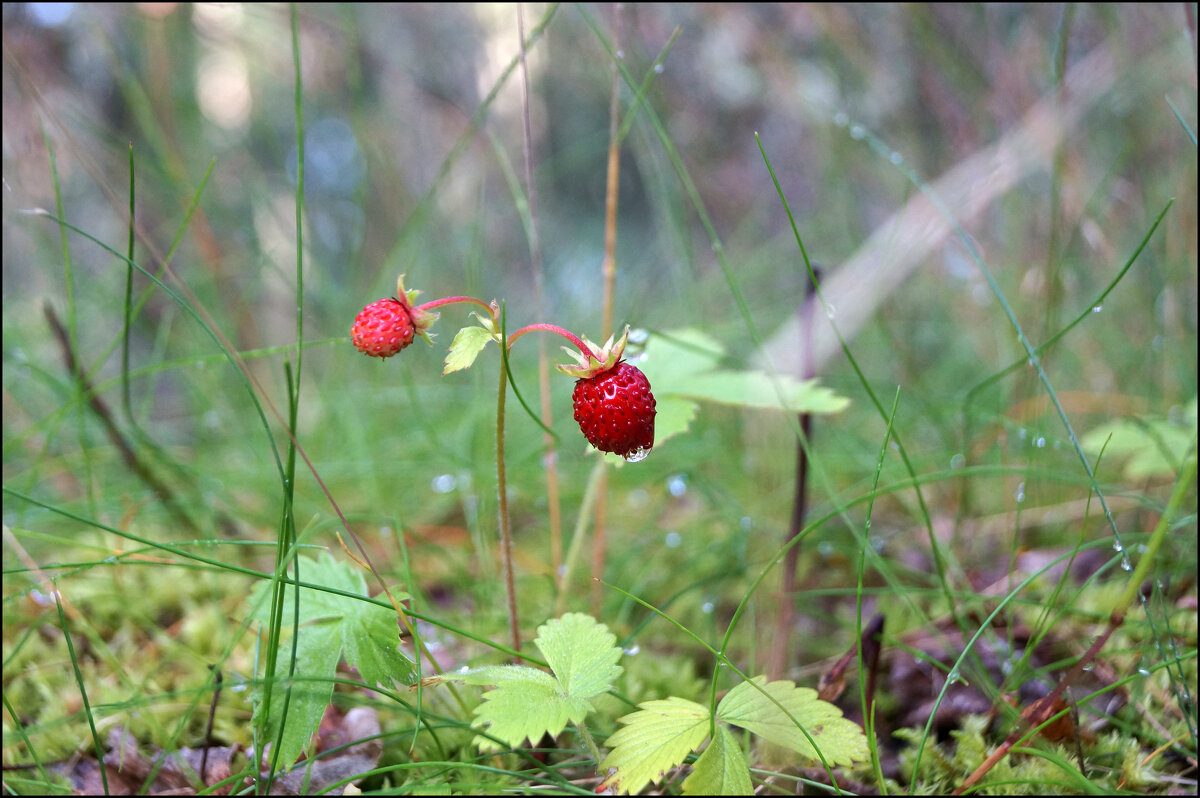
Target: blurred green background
[(414, 166)]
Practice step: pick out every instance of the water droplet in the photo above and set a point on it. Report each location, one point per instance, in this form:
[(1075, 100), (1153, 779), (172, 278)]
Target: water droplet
[(638, 456), (465, 669), (840, 119), (620, 53), (958, 461), (1097, 308), (897, 158), (1039, 442), (825, 548), (1020, 495), (677, 484), (658, 69), (830, 311), (868, 524), (444, 483), (1117, 547), (1126, 565), (632, 650), (707, 608), (638, 335), (672, 540), (857, 132), (1143, 671)]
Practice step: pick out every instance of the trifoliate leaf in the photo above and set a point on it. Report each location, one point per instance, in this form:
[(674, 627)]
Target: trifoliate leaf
[(841, 741), (467, 345), (654, 740), (720, 770), (526, 702), (582, 653)]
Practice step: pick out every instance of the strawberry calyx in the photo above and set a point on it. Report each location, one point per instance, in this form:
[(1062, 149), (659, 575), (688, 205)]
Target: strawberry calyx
[(422, 319), (596, 359)]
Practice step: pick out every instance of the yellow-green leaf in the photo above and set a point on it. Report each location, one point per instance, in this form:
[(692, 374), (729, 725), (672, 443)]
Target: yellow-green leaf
[(467, 345), (720, 770), (841, 741), (654, 740)]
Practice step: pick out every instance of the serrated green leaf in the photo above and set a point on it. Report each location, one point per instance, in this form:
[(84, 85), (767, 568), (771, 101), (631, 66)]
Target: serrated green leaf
[(331, 626), (721, 769), (582, 653), (841, 741), (317, 653), (525, 704), (467, 345), (653, 741)]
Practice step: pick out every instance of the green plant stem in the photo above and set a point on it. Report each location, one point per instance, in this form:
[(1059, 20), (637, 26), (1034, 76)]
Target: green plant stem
[(506, 562), (588, 741)]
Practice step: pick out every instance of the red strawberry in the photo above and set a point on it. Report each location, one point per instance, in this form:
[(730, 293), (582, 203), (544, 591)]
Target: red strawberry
[(383, 328), (615, 411)]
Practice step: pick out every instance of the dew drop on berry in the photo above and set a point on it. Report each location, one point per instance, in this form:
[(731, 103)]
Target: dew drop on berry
[(638, 455)]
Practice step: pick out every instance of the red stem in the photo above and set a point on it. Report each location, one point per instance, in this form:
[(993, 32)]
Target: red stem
[(452, 299), (570, 336)]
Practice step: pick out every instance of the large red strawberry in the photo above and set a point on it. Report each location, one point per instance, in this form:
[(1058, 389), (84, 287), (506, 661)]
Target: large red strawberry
[(385, 327), (615, 411), (613, 402)]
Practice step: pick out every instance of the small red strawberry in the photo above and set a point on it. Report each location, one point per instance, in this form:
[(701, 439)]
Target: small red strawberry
[(612, 399), (383, 328), (615, 411)]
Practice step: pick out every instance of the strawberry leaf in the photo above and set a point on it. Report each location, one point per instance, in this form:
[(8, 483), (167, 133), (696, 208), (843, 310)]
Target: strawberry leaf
[(683, 368), (467, 345), (331, 626), (720, 770), (582, 653), (654, 740), (841, 741), (526, 702)]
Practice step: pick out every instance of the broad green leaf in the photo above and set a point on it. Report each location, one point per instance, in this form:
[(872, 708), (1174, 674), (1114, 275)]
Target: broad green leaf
[(311, 689), (841, 741), (331, 626), (759, 390), (683, 367), (654, 740), (467, 345), (1154, 447), (721, 769), (527, 703), (582, 653)]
